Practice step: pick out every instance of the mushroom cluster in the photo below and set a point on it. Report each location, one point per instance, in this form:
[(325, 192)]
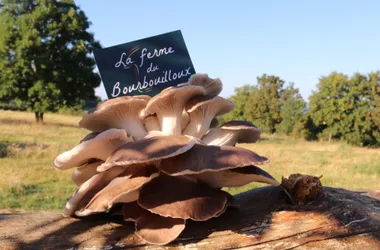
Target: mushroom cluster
[(163, 160)]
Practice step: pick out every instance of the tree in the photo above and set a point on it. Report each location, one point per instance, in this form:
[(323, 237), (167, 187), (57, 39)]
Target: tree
[(292, 107), (240, 99), (345, 108), (263, 107), (45, 55)]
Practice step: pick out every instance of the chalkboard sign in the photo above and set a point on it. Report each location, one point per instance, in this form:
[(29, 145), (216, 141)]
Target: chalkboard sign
[(146, 66)]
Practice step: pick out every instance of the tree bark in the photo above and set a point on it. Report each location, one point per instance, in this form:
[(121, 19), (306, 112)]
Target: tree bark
[(342, 219)]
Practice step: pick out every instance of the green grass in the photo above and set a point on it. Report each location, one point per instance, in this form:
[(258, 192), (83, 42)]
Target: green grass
[(29, 181)]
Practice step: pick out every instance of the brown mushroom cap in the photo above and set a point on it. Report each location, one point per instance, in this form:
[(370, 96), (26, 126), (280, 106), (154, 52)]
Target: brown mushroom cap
[(231, 133), (133, 211), (122, 189), (236, 177), (158, 230), (168, 105), (180, 197), (89, 136), (88, 189), (213, 87), (203, 158), (148, 150), (83, 173), (202, 110), (99, 147), (121, 114)]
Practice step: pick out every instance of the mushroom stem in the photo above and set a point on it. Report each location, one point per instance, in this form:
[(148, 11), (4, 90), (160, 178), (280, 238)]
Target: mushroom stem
[(198, 129), (171, 123), (219, 137), (135, 128)]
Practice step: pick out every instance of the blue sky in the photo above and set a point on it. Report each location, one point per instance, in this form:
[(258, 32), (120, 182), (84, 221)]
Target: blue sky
[(240, 40)]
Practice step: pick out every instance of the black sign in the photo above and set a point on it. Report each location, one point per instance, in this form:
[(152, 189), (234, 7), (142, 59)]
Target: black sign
[(146, 66)]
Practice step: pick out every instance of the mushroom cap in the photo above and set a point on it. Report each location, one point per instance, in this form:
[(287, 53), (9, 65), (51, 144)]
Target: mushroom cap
[(248, 133), (180, 197), (122, 189), (158, 230), (148, 150), (90, 188), (218, 104), (83, 173), (236, 177), (172, 97), (202, 109), (212, 86), (203, 158), (169, 105), (89, 136), (132, 211), (113, 114), (99, 147)]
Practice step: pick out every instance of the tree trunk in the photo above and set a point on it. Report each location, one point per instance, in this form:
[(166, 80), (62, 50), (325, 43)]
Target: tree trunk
[(342, 219), (37, 117)]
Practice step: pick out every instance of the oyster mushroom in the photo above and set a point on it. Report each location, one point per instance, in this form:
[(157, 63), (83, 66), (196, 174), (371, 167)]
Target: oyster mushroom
[(151, 123), (100, 147), (158, 230), (83, 173), (168, 105), (88, 189), (202, 110), (89, 136), (213, 87), (236, 177), (180, 197), (204, 158), (214, 123), (122, 189), (232, 132), (122, 114), (148, 151), (133, 211)]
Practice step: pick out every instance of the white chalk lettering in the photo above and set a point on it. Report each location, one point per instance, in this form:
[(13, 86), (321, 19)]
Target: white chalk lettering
[(116, 87), (167, 76), (127, 62), (156, 53), (152, 68)]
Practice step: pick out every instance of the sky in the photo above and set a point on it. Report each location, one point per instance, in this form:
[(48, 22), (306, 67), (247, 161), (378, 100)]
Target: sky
[(237, 41)]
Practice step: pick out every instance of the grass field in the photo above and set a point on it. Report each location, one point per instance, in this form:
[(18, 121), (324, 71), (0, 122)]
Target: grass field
[(29, 181)]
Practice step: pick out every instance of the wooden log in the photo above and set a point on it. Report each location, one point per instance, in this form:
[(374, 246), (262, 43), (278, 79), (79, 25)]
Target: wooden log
[(342, 219)]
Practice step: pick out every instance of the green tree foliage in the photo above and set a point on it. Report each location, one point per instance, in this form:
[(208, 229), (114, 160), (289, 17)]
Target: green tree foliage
[(240, 99), (264, 106), (44, 55), (347, 107), (292, 107)]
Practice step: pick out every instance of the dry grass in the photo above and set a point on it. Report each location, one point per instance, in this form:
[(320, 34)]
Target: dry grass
[(29, 181)]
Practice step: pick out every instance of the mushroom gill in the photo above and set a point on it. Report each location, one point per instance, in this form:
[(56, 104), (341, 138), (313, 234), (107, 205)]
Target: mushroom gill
[(202, 110)]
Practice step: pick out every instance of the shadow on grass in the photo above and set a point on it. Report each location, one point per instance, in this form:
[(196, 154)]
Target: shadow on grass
[(253, 218)]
